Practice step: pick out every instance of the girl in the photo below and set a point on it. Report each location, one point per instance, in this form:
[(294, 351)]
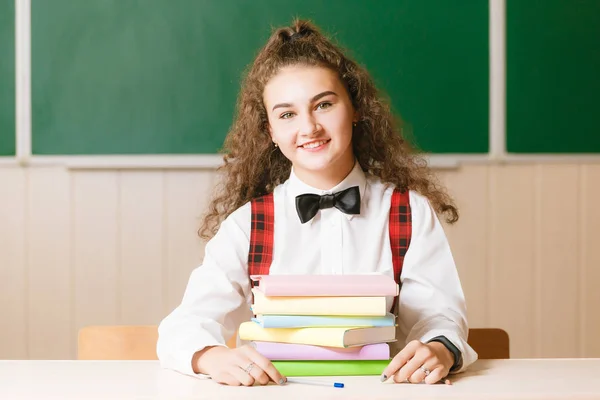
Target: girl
[(316, 149)]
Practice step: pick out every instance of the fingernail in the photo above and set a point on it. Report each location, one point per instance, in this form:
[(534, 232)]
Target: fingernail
[(281, 381), (383, 377)]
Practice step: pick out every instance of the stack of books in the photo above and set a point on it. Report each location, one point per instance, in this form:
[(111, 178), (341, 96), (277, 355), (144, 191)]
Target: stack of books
[(322, 325)]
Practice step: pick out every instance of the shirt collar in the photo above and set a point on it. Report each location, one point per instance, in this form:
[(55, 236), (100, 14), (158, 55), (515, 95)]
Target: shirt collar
[(356, 177)]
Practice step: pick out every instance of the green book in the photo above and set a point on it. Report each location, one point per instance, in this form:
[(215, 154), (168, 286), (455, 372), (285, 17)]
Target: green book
[(331, 367)]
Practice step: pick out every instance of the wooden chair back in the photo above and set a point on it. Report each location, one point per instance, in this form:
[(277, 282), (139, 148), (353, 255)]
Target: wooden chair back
[(489, 343), (135, 342)]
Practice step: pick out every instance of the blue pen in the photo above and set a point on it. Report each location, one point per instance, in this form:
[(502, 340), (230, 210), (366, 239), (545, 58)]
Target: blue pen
[(318, 383)]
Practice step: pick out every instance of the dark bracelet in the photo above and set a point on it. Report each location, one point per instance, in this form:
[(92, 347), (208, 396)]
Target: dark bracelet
[(452, 349)]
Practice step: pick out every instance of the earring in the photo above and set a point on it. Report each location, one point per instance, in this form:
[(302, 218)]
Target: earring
[(276, 145), (354, 124)]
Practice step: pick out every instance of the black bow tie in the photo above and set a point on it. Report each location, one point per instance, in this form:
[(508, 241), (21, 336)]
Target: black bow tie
[(347, 201)]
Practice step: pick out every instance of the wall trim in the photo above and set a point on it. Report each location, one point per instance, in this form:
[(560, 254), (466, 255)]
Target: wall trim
[(23, 81), (497, 77), (213, 161)]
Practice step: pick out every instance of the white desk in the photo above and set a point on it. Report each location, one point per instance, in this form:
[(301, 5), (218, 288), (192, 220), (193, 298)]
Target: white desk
[(486, 379)]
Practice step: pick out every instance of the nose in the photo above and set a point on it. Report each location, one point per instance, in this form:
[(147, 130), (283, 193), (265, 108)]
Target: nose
[(308, 126)]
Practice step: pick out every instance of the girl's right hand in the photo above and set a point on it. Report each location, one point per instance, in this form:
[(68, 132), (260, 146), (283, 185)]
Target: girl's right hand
[(235, 367)]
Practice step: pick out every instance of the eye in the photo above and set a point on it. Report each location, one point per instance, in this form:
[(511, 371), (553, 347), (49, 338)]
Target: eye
[(286, 115), (324, 105)]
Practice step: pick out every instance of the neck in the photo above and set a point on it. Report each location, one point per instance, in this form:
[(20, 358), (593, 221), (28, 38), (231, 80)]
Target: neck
[(329, 178)]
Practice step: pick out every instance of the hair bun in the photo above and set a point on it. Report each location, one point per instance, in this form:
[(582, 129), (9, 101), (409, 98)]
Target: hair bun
[(300, 29), (297, 35)]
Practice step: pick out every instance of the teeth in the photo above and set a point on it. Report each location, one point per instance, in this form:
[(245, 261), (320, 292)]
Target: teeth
[(314, 144)]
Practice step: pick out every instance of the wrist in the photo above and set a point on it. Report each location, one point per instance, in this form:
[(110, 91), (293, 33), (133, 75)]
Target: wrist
[(447, 357), (452, 349), (201, 359)]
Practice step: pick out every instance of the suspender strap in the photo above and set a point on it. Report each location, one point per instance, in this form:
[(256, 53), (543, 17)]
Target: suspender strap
[(400, 227), (260, 254)]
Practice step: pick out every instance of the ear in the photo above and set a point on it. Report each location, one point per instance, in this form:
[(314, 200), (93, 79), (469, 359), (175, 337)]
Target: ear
[(269, 130)]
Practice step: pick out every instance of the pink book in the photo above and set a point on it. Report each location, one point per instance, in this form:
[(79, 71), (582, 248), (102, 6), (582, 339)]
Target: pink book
[(287, 351), (325, 285)]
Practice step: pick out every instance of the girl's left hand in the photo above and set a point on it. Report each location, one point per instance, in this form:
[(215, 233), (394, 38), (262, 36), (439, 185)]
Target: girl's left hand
[(419, 362)]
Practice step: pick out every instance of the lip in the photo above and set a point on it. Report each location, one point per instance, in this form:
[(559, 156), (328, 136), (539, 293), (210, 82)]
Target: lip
[(314, 141)]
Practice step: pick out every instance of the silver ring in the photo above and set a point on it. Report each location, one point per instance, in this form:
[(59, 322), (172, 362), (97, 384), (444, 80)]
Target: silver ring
[(425, 370), (249, 368)]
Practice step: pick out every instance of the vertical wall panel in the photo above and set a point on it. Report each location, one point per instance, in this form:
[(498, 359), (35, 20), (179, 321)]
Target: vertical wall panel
[(95, 248), (50, 275), (187, 195), (511, 279), (142, 243), (558, 265), (590, 272), (469, 236), (13, 271)]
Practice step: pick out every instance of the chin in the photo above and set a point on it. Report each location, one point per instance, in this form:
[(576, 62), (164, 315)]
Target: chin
[(314, 167), (317, 167), (313, 161)]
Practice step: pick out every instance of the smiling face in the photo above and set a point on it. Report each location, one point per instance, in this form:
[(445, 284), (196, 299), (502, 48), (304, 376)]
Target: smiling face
[(310, 119)]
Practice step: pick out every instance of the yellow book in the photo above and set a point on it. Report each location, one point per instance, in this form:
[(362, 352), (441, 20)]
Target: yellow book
[(362, 306), (330, 337)]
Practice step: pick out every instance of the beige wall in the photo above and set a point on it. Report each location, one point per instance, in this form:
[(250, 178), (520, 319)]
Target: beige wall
[(117, 247)]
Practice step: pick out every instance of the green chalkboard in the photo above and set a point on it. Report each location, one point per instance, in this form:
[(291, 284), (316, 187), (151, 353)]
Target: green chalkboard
[(7, 77), (156, 76), (553, 76)]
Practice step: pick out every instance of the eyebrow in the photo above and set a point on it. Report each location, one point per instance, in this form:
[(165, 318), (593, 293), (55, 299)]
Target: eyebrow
[(314, 98)]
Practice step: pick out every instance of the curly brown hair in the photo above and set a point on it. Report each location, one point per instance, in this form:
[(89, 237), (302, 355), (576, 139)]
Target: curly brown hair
[(253, 167)]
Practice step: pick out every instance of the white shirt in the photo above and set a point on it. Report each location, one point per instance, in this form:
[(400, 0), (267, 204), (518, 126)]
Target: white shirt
[(218, 296)]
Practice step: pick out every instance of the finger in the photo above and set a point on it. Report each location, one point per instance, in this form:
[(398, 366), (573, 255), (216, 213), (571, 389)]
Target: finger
[(251, 368), (259, 375), (429, 362), (418, 376), (408, 369), (401, 359), (436, 375), (424, 370), (226, 379), (265, 365), (242, 376)]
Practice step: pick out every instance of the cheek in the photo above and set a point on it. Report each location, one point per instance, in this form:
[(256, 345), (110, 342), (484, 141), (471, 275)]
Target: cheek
[(343, 130), (284, 135), (339, 123)]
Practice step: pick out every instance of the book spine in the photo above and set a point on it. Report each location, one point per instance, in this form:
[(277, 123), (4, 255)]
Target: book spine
[(331, 368), (304, 321), (335, 291), (358, 306), (331, 337), (284, 351)]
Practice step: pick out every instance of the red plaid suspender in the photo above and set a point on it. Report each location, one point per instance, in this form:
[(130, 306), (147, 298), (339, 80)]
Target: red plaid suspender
[(260, 254), (400, 229)]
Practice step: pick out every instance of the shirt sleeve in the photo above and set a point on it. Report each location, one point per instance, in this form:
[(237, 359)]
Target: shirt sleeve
[(216, 299), (431, 300)]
